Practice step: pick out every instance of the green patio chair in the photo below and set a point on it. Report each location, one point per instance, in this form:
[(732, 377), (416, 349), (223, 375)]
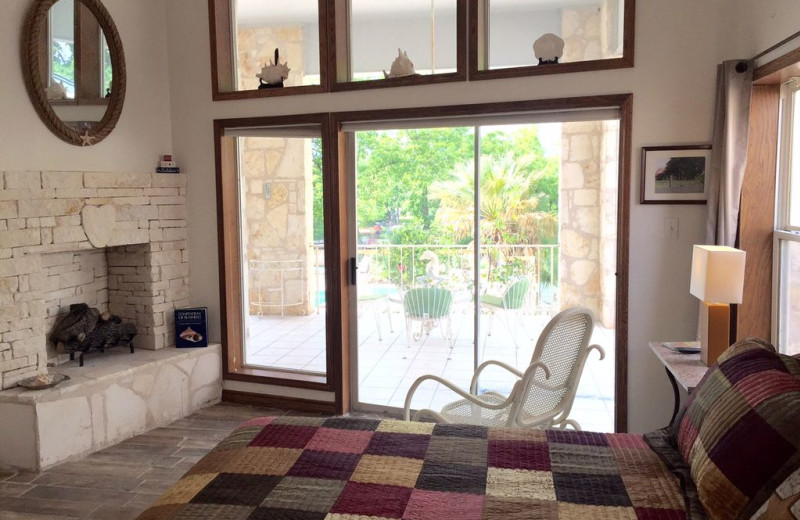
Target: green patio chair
[(430, 306), (509, 304)]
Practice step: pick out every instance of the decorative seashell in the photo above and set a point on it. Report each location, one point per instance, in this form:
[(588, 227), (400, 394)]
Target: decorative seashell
[(188, 333), (274, 72), (401, 66), (56, 91), (548, 48)]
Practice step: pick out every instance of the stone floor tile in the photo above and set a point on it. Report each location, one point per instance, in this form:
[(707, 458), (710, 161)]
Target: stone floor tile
[(22, 478), (154, 440), (91, 495), (191, 452), (197, 443), (64, 508), (85, 467), (11, 515), (11, 489), (110, 482), (105, 512)]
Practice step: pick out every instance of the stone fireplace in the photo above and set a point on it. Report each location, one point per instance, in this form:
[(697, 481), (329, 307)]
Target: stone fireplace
[(117, 241)]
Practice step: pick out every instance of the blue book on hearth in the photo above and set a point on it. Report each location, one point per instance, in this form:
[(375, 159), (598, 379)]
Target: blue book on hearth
[(191, 328)]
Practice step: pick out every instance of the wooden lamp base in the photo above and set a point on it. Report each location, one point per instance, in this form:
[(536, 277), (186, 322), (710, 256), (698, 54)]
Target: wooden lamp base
[(715, 323)]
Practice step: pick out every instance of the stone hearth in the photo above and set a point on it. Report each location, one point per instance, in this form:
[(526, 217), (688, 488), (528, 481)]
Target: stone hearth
[(118, 242), (53, 229), (114, 397)]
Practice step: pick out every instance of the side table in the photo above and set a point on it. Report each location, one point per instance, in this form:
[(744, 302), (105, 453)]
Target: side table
[(684, 370)]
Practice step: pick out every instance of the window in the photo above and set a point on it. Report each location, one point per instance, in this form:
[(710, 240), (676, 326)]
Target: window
[(382, 33), (787, 232), (597, 34), (245, 37), (352, 44)]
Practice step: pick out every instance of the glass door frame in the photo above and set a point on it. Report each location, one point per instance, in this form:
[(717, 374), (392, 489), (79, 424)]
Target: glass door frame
[(622, 102), (785, 233), (230, 254)]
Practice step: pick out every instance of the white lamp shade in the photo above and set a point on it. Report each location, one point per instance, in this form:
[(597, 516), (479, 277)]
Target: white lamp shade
[(718, 274)]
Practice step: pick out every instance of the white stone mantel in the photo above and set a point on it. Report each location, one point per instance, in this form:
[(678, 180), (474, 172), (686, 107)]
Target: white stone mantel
[(115, 396)]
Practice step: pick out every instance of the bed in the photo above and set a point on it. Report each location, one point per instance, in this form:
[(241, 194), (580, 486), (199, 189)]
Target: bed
[(731, 453)]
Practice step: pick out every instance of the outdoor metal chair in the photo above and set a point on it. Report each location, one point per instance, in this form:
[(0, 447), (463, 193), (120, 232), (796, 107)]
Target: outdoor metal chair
[(429, 306), (509, 305), (543, 394)]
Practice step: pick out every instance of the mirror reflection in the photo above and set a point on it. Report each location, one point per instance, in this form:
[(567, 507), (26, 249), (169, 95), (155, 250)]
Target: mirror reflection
[(76, 65)]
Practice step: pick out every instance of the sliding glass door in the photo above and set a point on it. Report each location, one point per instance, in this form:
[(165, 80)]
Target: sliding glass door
[(449, 276)]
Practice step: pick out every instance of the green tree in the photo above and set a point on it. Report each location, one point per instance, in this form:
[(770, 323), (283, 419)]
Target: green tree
[(316, 179), (397, 167)]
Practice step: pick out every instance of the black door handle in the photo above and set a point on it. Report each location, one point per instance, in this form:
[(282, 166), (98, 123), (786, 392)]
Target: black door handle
[(353, 270)]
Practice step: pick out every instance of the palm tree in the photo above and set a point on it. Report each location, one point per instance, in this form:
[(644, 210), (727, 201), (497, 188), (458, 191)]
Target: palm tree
[(509, 202)]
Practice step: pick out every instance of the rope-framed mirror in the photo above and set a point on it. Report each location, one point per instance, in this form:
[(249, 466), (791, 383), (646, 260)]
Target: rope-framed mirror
[(70, 103)]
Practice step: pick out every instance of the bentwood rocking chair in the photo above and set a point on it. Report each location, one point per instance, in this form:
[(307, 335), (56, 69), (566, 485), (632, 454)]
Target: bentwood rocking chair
[(542, 395)]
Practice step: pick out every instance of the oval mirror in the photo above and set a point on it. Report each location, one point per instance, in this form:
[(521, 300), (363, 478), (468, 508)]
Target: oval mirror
[(74, 68)]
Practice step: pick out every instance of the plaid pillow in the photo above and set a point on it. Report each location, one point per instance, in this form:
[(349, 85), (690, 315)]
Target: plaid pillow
[(740, 431)]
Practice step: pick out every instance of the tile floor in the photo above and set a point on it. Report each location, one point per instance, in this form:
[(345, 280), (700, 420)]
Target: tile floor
[(389, 364), (120, 482)]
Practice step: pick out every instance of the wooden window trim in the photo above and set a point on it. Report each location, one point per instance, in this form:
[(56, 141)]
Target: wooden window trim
[(335, 56), (233, 366), (223, 62), (339, 62), (477, 52)]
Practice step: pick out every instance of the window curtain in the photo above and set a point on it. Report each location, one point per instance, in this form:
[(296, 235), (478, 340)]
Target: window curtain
[(729, 150)]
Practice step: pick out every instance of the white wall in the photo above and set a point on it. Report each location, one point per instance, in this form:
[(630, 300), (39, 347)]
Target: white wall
[(763, 23), (143, 131)]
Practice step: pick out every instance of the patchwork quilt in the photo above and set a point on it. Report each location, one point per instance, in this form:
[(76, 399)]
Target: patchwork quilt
[(357, 469)]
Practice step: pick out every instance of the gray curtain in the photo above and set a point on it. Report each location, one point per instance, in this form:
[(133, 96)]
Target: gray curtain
[(729, 150)]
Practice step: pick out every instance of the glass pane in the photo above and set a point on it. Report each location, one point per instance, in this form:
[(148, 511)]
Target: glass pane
[(415, 268), (62, 44), (282, 227), (425, 30), (548, 242), (107, 73), (789, 312), (794, 180), (591, 30), (547, 235), (290, 27)]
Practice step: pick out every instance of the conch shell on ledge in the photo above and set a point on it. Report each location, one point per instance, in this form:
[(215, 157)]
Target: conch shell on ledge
[(401, 66), (274, 73)]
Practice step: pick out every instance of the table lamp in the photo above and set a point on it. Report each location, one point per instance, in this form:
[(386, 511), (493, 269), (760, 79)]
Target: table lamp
[(717, 281)]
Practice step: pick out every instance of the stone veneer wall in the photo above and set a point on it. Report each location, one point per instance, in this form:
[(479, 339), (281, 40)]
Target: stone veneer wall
[(278, 228), (588, 217), (141, 217), (73, 277), (579, 216)]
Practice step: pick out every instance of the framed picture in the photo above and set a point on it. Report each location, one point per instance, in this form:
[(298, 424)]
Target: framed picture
[(675, 174)]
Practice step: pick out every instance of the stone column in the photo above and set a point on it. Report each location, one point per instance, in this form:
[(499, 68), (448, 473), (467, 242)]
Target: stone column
[(579, 216), (278, 213)]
